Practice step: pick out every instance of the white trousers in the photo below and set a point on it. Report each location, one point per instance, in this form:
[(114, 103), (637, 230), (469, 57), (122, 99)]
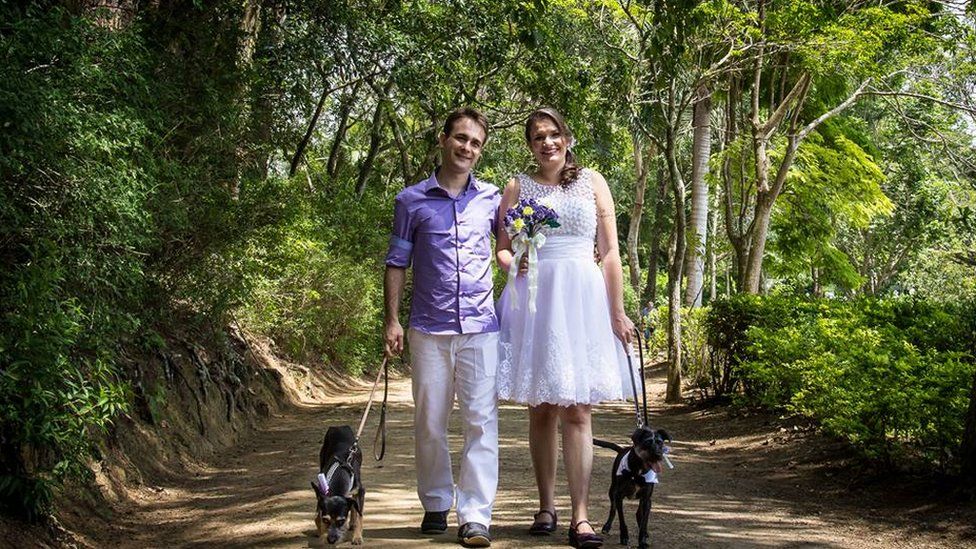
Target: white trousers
[(445, 366)]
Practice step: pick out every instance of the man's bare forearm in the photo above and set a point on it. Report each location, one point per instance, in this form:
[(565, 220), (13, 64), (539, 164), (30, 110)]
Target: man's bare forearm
[(393, 282)]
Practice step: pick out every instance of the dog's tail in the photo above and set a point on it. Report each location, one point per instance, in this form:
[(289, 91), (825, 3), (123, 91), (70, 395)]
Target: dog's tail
[(608, 445)]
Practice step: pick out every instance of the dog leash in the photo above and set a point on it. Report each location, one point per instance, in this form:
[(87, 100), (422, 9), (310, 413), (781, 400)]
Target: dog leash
[(640, 352), (641, 417), (380, 438)]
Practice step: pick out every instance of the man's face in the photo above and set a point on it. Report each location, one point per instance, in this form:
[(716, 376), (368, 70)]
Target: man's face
[(462, 149)]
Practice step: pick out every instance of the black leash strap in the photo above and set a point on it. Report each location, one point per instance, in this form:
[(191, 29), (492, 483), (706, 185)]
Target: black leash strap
[(380, 438), (640, 352), (641, 417)]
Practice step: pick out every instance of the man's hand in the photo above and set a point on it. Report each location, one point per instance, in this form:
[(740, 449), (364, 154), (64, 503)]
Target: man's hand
[(394, 338)]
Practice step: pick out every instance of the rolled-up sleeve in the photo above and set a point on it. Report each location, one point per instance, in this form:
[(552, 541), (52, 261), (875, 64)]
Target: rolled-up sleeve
[(401, 240), (497, 201)]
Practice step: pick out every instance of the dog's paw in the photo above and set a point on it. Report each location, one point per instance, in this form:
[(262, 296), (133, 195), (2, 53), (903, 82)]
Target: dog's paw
[(605, 529), (624, 540), (358, 540)]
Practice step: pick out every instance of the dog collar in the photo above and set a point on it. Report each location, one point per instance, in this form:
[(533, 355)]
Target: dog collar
[(650, 476)]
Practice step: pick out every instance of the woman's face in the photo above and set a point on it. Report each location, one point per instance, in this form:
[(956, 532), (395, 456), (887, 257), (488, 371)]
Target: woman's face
[(547, 143)]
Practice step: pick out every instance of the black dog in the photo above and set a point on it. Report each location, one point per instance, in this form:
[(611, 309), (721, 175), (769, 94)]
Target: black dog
[(630, 475), (339, 489)]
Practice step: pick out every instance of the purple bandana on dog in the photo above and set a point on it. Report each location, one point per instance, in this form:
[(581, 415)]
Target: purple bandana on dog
[(323, 484)]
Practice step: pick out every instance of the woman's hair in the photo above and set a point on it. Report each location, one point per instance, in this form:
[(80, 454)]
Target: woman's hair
[(569, 172)]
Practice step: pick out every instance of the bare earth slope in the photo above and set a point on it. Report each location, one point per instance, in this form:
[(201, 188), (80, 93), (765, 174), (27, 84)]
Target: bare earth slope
[(738, 482)]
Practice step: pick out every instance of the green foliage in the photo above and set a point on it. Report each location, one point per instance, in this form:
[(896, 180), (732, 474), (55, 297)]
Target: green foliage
[(696, 363), (834, 183), (317, 291), (72, 221), (891, 376), (114, 210), (147, 169)]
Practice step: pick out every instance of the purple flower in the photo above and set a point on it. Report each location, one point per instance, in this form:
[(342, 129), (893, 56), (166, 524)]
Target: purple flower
[(532, 216)]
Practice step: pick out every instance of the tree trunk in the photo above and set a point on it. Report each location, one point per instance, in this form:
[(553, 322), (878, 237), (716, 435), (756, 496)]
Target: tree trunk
[(675, 266), (636, 212), (757, 245), (733, 221), (817, 289), (398, 140), (713, 283), (296, 159), (375, 137), (249, 28), (728, 278), (657, 226), (695, 257), (267, 98), (759, 233), (335, 151)]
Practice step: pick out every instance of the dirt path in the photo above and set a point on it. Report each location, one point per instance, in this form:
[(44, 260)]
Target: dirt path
[(738, 482)]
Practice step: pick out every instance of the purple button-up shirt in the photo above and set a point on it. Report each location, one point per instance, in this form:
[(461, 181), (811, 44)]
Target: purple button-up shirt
[(449, 241)]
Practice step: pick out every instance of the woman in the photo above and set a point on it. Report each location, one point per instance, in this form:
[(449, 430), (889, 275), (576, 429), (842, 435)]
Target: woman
[(567, 354)]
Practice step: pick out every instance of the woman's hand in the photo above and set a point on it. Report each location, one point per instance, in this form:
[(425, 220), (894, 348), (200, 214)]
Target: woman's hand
[(623, 328)]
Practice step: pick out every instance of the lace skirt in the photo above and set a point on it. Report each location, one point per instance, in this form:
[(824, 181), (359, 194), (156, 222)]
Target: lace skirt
[(565, 353)]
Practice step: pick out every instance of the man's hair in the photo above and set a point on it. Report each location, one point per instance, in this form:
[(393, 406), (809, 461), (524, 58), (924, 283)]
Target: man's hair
[(465, 112)]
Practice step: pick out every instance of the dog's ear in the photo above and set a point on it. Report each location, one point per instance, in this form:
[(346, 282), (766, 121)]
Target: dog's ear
[(318, 491), (637, 435), (641, 434), (663, 434), (353, 504)]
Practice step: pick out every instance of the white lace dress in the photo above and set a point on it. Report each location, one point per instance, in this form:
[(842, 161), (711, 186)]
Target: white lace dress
[(565, 353)]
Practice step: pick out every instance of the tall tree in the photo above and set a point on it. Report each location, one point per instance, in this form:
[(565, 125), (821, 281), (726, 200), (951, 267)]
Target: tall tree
[(792, 93), (698, 222), (636, 215)]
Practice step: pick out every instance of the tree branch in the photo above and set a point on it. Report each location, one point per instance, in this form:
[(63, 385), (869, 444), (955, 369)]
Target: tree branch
[(834, 111), (943, 102)]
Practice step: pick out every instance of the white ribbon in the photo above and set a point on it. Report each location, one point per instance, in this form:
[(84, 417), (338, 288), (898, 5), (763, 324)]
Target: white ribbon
[(521, 245)]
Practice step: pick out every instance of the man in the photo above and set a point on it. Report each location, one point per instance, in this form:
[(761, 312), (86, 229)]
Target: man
[(444, 225)]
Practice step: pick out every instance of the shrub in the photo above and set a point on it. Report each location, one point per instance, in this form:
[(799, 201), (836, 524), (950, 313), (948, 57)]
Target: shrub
[(73, 224), (695, 363), (891, 376), (319, 305)]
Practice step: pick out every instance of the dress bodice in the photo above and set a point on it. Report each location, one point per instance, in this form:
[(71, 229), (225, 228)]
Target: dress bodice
[(575, 204)]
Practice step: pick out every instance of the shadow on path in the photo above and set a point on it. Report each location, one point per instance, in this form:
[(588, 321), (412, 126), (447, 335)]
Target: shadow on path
[(738, 482)]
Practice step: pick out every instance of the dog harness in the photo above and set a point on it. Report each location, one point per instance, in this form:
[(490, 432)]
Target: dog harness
[(326, 479), (650, 476)]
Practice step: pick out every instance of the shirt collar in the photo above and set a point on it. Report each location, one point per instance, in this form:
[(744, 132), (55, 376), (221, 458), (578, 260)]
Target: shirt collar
[(431, 184)]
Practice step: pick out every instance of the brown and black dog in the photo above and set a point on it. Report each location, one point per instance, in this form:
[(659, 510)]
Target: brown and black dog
[(339, 491), (633, 476)]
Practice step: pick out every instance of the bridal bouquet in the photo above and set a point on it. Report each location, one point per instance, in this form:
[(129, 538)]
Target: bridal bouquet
[(524, 224)]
